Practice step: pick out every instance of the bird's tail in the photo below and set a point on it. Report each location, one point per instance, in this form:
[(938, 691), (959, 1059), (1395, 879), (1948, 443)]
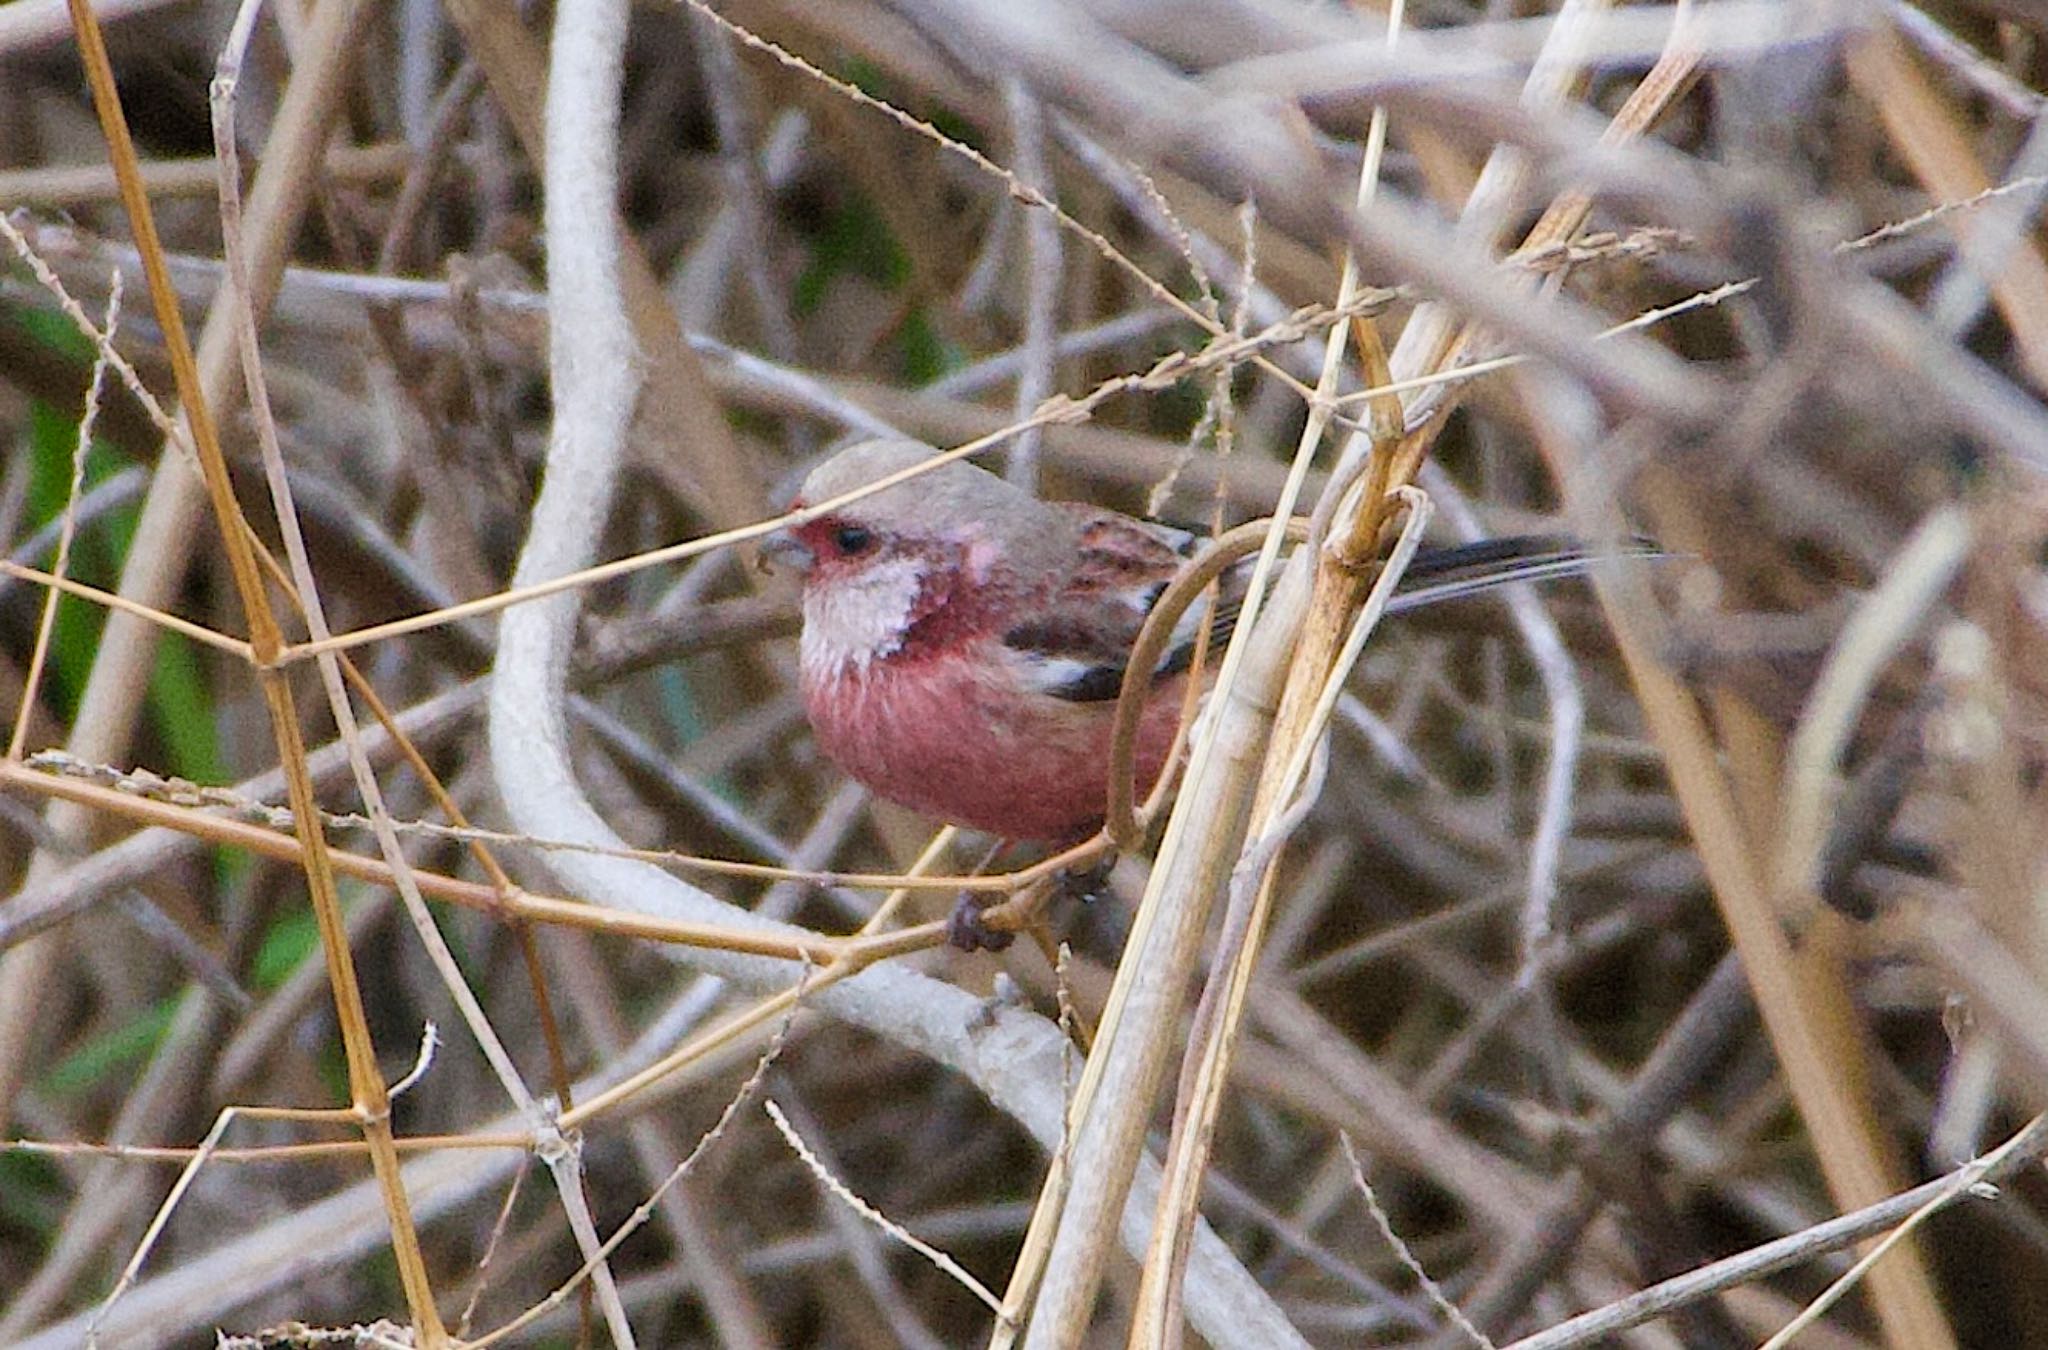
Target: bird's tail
[(1436, 575)]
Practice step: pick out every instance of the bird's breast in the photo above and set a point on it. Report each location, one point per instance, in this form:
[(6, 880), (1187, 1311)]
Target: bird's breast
[(948, 735)]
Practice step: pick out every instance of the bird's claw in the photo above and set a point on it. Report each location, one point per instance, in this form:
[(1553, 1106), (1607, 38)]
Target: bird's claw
[(966, 929)]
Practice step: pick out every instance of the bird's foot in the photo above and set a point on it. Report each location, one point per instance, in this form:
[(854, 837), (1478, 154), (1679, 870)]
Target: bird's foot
[(967, 930), (969, 926)]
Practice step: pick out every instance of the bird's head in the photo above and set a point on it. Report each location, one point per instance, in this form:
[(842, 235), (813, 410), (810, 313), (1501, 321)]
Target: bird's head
[(875, 566)]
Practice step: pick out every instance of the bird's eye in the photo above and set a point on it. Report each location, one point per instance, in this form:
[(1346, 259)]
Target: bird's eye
[(852, 539)]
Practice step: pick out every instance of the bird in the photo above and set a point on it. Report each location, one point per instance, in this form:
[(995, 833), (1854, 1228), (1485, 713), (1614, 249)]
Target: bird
[(964, 641)]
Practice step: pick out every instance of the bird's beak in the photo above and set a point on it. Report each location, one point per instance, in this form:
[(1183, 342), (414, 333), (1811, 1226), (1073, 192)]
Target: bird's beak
[(783, 549)]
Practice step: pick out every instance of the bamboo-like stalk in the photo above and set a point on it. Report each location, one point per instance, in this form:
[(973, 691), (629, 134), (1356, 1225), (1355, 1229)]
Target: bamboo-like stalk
[(1112, 1102), (1206, 1066), (1431, 342), (368, 1098), (1800, 993)]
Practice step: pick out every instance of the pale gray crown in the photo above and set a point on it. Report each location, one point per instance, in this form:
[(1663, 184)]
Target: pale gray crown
[(951, 492)]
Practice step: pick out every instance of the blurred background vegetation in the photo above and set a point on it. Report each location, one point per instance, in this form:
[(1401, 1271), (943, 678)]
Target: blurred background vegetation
[(1549, 1127)]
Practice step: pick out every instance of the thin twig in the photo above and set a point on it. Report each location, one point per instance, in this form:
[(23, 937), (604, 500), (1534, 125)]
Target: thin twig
[(46, 624), (953, 1268), (1430, 1288), (2024, 1149)]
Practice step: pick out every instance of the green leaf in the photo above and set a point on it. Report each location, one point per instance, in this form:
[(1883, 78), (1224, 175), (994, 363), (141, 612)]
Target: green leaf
[(855, 239), (74, 641), (109, 1053), (927, 354), (182, 708), (32, 1193), (53, 329), (292, 938)]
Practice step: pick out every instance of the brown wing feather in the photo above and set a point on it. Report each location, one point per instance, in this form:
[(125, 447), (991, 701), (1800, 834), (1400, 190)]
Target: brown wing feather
[(1080, 638), (1080, 644)]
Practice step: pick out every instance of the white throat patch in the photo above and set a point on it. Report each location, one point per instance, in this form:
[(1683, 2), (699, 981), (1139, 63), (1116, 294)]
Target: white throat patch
[(860, 618)]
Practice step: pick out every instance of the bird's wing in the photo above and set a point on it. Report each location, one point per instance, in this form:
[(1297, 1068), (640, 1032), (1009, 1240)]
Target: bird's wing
[(1078, 642), (1078, 637)]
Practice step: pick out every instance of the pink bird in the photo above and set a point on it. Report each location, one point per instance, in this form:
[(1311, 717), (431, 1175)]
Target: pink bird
[(964, 642)]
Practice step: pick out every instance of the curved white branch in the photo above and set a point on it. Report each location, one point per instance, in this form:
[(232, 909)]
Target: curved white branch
[(1013, 1057)]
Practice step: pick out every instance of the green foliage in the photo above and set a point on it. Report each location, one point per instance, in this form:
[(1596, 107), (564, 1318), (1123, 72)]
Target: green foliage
[(32, 1193), (111, 1052), (53, 329), (855, 241), (927, 354), (181, 706), (291, 938), (852, 239), (53, 438)]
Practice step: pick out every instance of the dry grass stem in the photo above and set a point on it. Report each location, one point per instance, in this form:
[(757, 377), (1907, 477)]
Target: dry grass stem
[(840, 1191), (1442, 1301), (46, 622)]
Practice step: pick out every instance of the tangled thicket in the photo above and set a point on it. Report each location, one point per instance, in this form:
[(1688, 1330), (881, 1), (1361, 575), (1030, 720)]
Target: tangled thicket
[(1632, 926)]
